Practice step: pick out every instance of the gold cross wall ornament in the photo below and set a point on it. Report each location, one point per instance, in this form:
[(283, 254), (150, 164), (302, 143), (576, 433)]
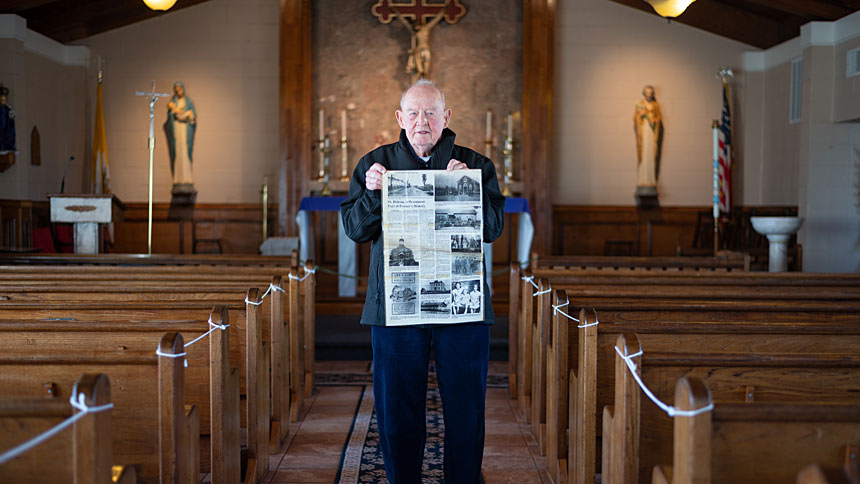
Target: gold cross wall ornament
[(419, 16)]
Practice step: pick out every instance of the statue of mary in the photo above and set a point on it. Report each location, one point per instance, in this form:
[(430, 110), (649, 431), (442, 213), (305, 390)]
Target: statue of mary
[(179, 128)]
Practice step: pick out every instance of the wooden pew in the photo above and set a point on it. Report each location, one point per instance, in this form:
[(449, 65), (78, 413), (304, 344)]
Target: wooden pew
[(211, 384), (149, 418), (752, 442), (204, 277), (586, 353), (732, 262), (635, 432), (561, 277), (212, 292), (80, 454)]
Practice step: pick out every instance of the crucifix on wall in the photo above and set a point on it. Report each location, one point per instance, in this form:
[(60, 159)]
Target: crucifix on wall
[(419, 17)]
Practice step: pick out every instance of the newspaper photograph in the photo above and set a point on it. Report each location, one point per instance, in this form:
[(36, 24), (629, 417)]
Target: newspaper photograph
[(432, 226)]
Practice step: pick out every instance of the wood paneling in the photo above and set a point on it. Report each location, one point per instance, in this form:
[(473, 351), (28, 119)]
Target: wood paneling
[(237, 227), (538, 60), (295, 110)]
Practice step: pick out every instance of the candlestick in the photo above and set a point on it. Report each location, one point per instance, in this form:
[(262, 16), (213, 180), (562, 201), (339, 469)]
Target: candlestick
[(508, 151), (326, 151), (344, 159)]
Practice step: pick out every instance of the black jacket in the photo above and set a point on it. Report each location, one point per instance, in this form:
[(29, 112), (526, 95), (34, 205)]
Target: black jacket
[(362, 210)]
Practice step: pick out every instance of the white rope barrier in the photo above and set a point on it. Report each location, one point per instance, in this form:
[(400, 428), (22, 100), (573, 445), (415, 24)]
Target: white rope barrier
[(169, 355), (670, 410), (545, 291), (530, 280), (556, 309), (271, 288), (80, 405), (213, 327), (308, 273)]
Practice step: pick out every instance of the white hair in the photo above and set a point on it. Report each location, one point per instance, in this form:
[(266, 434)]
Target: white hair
[(419, 83)]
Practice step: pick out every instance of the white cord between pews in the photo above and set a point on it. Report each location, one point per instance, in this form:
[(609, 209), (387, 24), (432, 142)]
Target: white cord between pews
[(308, 273), (670, 410), (80, 405), (271, 288), (530, 280), (213, 327), (169, 355), (545, 291)]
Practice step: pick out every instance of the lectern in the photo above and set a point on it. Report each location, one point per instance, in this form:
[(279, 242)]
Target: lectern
[(86, 211)]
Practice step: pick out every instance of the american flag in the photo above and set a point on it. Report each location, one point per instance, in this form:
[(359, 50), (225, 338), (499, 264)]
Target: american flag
[(725, 153)]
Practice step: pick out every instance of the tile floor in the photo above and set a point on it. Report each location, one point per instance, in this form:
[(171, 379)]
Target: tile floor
[(315, 444)]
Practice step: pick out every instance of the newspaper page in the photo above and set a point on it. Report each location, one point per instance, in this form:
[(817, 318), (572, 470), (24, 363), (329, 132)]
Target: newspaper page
[(432, 228)]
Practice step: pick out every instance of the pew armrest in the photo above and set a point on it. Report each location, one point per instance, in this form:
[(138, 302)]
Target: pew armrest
[(192, 428)]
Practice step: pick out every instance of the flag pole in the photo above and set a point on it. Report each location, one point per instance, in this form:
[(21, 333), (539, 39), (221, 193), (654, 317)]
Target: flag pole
[(715, 127)]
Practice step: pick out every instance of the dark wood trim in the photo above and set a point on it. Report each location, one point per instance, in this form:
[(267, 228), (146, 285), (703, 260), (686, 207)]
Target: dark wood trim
[(295, 110), (537, 105)]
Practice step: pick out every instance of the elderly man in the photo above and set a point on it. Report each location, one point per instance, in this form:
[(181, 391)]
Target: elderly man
[(401, 354)]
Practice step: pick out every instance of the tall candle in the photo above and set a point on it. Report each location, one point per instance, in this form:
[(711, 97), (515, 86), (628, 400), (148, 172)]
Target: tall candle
[(510, 126), (489, 125), (322, 127), (343, 124)]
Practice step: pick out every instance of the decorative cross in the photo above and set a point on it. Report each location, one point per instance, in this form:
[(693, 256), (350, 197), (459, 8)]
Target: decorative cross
[(420, 11), (418, 62)]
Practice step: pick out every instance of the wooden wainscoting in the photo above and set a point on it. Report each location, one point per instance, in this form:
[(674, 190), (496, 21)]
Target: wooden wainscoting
[(234, 228), (623, 231)]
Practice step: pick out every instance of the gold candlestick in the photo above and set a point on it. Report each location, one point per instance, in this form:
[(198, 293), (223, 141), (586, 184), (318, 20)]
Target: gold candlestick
[(344, 159), (325, 154), (508, 151)]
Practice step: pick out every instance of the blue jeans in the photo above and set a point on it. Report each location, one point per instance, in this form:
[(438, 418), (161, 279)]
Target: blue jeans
[(401, 356)]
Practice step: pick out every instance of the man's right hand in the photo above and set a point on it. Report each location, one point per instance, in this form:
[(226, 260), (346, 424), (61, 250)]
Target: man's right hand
[(373, 177)]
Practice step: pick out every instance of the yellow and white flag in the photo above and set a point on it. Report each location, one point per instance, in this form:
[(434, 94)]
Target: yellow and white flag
[(100, 171)]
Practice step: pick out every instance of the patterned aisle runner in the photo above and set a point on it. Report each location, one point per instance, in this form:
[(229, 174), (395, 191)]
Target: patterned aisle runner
[(361, 462)]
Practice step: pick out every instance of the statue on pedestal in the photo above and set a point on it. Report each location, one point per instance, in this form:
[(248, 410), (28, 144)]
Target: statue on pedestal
[(179, 128), (648, 126)]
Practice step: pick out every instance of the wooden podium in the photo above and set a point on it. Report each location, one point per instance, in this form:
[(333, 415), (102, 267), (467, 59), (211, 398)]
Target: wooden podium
[(86, 211)]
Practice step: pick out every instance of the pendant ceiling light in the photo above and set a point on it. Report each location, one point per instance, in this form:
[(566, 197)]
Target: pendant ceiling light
[(159, 4), (669, 8)]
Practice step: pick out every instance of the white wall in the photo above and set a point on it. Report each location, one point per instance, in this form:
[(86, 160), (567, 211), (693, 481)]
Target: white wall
[(606, 53), (226, 53), (816, 162), (46, 82)]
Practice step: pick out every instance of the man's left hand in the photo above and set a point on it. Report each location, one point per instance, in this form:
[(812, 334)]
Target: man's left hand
[(456, 165)]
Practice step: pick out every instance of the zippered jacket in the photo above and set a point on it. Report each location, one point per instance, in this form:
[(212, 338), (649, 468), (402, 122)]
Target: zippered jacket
[(362, 210)]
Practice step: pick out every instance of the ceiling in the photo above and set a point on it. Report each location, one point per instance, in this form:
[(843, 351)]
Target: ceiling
[(761, 23)]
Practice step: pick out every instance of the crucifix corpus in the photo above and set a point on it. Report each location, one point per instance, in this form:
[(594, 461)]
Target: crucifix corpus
[(419, 17)]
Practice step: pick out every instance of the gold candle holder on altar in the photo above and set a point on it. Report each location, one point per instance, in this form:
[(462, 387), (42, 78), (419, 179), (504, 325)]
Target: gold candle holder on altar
[(325, 155), (508, 151), (344, 159)]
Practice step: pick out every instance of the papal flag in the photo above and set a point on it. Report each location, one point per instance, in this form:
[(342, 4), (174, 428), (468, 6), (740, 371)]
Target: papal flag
[(100, 172), (724, 153)]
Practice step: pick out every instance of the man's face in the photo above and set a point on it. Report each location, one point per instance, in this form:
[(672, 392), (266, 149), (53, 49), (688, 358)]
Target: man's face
[(2, 99), (648, 92), (423, 117)]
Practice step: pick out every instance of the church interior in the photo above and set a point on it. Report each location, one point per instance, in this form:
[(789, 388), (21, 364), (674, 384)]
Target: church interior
[(675, 289)]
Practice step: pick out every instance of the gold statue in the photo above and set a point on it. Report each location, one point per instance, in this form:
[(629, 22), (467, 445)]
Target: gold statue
[(648, 126), (418, 63)]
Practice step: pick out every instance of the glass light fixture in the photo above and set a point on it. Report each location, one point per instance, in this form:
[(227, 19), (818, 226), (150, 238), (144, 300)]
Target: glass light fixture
[(159, 4), (669, 8)]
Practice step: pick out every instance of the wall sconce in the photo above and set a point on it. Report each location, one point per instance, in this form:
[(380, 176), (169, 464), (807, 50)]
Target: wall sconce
[(669, 8), (159, 4)]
